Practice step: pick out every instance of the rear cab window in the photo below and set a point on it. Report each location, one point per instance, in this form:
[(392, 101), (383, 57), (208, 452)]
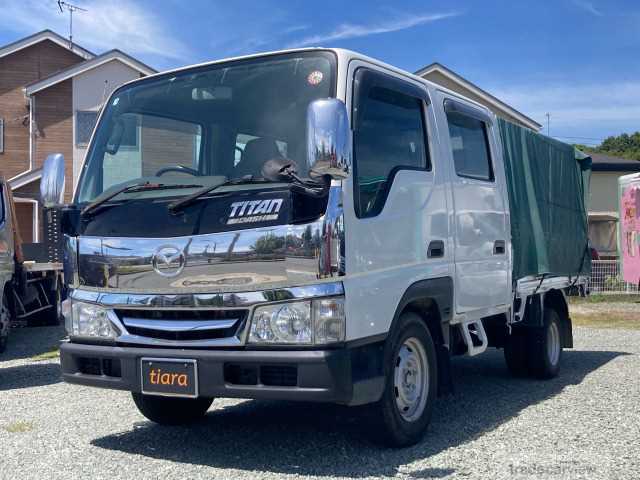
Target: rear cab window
[(470, 148)]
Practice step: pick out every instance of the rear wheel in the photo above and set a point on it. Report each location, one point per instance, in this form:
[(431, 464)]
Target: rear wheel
[(404, 411), (170, 410), (545, 347), (536, 351)]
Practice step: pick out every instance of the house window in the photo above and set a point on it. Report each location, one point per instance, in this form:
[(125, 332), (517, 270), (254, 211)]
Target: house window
[(470, 146), (85, 122), (1, 135)]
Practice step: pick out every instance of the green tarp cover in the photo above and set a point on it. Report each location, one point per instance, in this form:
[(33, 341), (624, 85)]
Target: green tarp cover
[(548, 184)]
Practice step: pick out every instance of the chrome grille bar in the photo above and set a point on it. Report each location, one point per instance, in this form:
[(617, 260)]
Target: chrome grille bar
[(178, 325)]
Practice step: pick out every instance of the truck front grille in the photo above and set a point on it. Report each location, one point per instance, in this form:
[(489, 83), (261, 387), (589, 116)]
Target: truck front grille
[(183, 325)]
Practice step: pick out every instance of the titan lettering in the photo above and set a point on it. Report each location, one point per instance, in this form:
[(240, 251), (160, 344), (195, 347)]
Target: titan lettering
[(158, 378), (255, 208)]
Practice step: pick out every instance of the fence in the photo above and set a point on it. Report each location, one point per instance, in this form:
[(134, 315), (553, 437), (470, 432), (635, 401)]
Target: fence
[(606, 278)]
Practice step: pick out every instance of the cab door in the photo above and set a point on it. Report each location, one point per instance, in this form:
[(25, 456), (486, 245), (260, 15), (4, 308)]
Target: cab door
[(481, 239)]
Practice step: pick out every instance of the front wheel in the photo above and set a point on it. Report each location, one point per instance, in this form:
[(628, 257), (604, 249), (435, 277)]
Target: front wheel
[(170, 410), (404, 411)]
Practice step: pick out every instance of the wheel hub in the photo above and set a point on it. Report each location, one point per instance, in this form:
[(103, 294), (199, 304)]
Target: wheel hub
[(553, 343), (411, 379)]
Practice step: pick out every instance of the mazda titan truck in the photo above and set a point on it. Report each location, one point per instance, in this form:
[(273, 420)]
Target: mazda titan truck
[(313, 225)]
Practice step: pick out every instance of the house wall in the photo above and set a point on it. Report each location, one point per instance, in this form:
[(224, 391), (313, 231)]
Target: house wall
[(54, 128), (90, 90), (16, 71), (603, 195), (446, 82)]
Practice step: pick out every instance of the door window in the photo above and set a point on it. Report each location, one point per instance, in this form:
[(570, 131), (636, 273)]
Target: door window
[(389, 135)]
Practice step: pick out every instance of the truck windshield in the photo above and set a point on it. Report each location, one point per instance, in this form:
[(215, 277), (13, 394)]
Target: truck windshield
[(206, 124)]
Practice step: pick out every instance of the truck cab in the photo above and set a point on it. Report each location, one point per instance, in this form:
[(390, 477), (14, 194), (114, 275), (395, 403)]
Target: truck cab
[(31, 289), (302, 225)]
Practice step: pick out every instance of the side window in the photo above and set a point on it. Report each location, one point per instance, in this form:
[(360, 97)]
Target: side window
[(470, 146), (389, 134)]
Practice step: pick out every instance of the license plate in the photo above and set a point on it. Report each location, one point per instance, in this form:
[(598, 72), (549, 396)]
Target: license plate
[(169, 377)]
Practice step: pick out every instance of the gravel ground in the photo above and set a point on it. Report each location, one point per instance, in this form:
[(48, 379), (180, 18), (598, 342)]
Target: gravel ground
[(583, 424)]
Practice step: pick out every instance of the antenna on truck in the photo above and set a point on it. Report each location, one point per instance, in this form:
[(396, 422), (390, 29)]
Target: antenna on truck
[(70, 8)]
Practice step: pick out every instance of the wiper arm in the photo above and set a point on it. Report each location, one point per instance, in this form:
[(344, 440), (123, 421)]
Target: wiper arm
[(136, 187), (311, 188), (178, 205)]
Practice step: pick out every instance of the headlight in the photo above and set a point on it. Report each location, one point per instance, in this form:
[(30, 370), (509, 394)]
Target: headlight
[(305, 322), (88, 320)]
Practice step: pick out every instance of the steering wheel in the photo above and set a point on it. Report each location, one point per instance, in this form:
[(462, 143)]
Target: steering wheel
[(179, 169)]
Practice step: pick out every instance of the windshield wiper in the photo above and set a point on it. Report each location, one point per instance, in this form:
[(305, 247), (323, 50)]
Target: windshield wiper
[(178, 205), (136, 187)]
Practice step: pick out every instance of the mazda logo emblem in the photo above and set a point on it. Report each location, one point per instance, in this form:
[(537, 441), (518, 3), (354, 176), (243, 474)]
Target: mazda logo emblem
[(168, 261)]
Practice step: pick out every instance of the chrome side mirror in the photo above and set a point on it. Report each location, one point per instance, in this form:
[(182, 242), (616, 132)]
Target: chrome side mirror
[(52, 181), (328, 139)]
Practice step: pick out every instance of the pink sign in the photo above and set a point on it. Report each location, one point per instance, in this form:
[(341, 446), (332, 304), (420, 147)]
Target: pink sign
[(630, 233)]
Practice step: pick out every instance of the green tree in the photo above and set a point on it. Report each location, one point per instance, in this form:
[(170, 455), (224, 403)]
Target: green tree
[(623, 145)]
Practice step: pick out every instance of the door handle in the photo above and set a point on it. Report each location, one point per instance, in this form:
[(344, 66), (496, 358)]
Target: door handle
[(435, 249), (499, 247)]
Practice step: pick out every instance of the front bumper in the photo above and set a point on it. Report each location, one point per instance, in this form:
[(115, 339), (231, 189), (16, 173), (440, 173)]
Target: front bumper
[(347, 375)]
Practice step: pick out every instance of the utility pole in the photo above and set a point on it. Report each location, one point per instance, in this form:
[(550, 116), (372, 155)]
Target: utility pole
[(548, 115), (70, 8)]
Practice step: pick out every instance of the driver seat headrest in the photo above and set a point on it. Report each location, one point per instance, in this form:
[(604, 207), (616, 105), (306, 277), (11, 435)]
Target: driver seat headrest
[(256, 152)]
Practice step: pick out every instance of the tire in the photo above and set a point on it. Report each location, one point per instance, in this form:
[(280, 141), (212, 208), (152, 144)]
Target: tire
[(544, 347), (170, 410), (401, 416), (515, 353), (5, 322)]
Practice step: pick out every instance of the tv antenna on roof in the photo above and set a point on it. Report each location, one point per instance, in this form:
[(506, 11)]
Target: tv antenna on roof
[(70, 8)]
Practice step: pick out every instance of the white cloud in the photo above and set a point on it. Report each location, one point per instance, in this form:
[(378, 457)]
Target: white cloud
[(105, 25), (588, 6), (348, 30)]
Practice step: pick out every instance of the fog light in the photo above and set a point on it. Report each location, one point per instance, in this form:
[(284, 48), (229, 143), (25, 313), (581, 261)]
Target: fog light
[(88, 320)]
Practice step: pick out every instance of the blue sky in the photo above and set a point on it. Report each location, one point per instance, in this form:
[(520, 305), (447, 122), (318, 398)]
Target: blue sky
[(577, 59)]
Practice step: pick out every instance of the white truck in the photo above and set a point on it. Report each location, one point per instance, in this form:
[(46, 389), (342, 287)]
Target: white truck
[(310, 225), (31, 290)]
